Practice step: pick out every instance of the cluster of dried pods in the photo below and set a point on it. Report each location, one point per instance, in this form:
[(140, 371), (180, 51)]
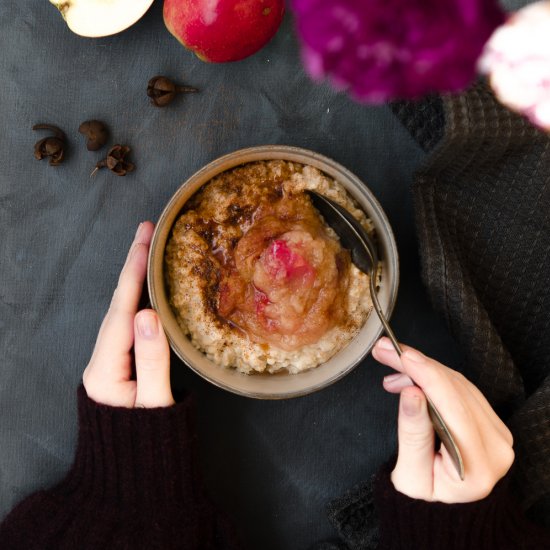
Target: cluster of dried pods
[(160, 89), (97, 135)]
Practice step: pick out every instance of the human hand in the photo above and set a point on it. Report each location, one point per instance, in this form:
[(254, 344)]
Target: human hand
[(483, 439), (107, 378)]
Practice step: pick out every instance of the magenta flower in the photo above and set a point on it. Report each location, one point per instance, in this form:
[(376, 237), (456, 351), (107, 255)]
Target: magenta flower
[(381, 50)]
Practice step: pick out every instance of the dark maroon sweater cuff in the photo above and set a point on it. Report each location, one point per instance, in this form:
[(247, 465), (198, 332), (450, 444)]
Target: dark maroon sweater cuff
[(134, 484), (131, 456), (495, 522)]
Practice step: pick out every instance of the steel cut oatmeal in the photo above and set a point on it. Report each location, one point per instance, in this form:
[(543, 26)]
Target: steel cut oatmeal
[(256, 278)]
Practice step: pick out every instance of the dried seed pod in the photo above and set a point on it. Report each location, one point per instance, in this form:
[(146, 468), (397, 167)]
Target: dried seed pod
[(162, 90), (96, 132), (52, 147), (116, 161)]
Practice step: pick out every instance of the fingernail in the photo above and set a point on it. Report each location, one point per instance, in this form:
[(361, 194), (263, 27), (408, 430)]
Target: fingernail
[(414, 356), (397, 382), (138, 232), (385, 343), (411, 404), (147, 325)]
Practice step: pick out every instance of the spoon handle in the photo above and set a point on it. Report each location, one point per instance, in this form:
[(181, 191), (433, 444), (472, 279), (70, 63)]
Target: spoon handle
[(440, 427)]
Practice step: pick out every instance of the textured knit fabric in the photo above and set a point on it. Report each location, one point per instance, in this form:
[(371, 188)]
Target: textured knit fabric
[(355, 517), (482, 204), (493, 523), (134, 485), (403, 523)]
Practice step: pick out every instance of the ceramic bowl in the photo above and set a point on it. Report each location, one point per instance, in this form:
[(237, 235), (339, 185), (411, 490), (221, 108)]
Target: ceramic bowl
[(281, 385)]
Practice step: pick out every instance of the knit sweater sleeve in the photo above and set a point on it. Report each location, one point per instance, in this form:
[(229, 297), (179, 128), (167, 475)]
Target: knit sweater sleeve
[(375, 516), (134, 484), (493, 523)]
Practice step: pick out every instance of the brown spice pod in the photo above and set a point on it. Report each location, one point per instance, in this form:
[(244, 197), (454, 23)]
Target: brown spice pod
[(52, 147), (116, 161), (96, 132), (162, 90)]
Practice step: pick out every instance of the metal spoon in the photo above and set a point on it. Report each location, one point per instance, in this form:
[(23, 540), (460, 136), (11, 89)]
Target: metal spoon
[(363, 253)]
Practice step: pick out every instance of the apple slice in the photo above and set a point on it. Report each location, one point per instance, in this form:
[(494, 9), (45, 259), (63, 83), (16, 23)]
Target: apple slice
[(94, 18)]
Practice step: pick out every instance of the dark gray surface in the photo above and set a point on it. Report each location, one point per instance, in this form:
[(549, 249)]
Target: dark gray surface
[(273, 465)]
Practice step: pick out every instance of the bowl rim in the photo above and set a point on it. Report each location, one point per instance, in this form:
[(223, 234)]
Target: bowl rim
[(237, 158)]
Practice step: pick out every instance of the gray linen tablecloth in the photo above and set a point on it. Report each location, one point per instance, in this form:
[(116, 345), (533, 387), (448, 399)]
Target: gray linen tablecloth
[(64, 236)]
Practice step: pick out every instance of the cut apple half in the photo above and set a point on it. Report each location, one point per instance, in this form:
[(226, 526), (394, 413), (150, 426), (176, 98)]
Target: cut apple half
[(95, 18)]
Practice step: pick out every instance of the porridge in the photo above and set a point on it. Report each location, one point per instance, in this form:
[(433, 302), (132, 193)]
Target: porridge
[(256, 278)]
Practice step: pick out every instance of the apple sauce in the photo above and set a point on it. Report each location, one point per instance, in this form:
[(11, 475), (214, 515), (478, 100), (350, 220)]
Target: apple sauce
[(255, 276)]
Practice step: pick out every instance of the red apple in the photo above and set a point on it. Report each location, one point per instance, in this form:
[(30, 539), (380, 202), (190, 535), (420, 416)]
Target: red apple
[(223, 30)]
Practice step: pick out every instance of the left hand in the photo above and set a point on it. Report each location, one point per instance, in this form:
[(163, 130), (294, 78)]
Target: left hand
[(107, 378)]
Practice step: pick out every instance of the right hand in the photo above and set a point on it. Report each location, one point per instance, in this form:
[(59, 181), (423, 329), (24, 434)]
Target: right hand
[(483, 439)]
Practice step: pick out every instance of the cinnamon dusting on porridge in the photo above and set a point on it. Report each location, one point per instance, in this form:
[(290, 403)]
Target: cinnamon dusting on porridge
[(257, 279)]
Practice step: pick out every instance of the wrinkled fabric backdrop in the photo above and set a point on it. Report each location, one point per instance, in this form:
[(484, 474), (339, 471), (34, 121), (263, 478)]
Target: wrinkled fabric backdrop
[(64, 237)]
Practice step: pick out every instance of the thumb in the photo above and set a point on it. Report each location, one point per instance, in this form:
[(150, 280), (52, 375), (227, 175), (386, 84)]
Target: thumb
[(413, 473), (152, 361)]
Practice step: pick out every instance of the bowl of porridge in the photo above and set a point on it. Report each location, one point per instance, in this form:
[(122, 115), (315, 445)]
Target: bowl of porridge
[(255, 292)]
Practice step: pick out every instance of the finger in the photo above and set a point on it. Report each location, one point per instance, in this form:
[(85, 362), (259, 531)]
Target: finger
[(130, 283), (394, 383), (384, 352), (485, 412), (447, 388), (474, 425), (152, 355), (116, 335), (433, 377), (463, 421), (413, 472)]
